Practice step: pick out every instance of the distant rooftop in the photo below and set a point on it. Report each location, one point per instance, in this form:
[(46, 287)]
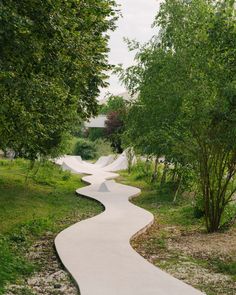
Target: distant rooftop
[(99, 121)]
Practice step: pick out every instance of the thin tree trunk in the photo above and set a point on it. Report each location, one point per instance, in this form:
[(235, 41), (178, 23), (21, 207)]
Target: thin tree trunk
[(163, 178), (155, 173), (37, 169), (31, 166), (130, 158), (174, 172), (178, 189)]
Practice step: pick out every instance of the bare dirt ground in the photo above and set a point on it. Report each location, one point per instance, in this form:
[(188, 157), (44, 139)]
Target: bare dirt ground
[(201, 260)]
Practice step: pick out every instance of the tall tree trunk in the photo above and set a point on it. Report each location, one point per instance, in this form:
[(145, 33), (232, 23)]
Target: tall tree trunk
[(217, 171)]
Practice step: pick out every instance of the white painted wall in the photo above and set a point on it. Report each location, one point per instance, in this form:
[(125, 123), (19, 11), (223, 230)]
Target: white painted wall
[(98, 122)]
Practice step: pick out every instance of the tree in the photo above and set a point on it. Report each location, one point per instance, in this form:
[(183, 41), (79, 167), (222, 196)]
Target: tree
[(113, 130), (186, 79), (115, 103), (149, 119), (115, 109), (53, 59)]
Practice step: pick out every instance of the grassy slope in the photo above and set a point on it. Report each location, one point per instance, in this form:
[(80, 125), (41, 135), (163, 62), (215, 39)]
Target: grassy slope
[(177, 242), (47, 202)]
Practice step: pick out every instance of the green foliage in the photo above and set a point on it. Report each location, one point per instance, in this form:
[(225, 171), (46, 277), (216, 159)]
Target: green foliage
[(114, 127), (115, 109), (11, 264), (142, 170), (85, 148), (27, 212), (160, 243), (53, 59), (229, 216), (199, 210), (93, 148), (95, 133), (226, 268), (114, 104), (103, 147), (186, 107), (159, 200), (71, 145)]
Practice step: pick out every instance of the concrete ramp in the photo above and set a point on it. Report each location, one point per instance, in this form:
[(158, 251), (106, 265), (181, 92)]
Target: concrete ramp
[(97, 251), (121, 163), (104, 161)]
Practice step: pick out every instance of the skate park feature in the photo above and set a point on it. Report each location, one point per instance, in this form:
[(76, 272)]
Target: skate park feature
[(97, 251)]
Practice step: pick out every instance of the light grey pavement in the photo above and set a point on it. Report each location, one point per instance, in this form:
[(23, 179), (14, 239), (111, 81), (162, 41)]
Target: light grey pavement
[(97, 251)]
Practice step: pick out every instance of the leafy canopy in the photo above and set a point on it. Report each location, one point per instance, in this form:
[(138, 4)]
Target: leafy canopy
[(53, 60), (186, 109)]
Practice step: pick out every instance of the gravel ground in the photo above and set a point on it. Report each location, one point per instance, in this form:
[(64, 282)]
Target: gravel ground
[(52, 279), (189, 255)]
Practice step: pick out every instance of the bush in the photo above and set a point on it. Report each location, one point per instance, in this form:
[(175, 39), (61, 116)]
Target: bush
[(12, 264), (142, 170), (89, 149), (199, 211), (103, 147), (85, 148), (95, 133)]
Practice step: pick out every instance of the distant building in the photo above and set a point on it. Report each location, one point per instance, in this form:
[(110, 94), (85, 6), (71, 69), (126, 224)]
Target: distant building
[(98, 122)]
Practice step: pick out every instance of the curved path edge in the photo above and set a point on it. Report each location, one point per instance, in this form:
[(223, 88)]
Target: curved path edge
[(97, 251)]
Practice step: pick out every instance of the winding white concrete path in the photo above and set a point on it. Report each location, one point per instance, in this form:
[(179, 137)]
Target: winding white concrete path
[(97, 251)]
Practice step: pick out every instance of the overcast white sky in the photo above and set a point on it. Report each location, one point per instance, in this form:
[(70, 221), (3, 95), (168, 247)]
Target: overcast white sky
[(136, 22)]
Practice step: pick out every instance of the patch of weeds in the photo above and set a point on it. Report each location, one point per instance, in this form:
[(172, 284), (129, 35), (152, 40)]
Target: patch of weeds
[(66, 176), (229, 213), (23, 291), (165, 193), (13, 265), (224, 267), (169, 262), (182, 215), (142, 170), (46, 203), (24, 232), (159, 242)]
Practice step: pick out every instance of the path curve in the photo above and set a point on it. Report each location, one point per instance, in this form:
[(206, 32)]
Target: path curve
[(97, 251)]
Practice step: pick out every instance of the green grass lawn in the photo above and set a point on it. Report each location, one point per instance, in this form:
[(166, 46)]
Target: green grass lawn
[(46, 202), (159, 201)]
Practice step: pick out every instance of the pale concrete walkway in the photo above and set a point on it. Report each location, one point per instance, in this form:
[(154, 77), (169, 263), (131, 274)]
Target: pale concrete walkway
[(97, 251)]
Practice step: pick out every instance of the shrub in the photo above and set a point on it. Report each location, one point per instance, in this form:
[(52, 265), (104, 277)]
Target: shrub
[(95, 133), (199, 211), (85, 148), (12, 264), (71, 145), (103, 147), (114, 127), (142, 170)]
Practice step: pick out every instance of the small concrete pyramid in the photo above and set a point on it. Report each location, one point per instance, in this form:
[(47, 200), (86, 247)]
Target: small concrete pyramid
[(103, 188)]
